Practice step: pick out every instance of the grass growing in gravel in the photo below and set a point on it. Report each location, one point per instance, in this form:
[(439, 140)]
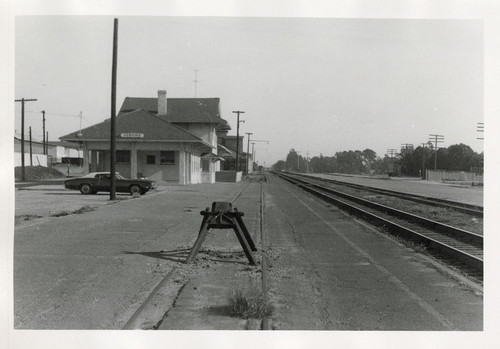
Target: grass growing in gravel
[(81, 210), (439, 214), (250, 303)]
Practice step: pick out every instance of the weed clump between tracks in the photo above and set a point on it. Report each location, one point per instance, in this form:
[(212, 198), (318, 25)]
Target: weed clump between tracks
[(250, 303)]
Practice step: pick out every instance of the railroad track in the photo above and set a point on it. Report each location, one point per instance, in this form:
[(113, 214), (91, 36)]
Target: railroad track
[(138, 317), (473, 210), (463, 248)]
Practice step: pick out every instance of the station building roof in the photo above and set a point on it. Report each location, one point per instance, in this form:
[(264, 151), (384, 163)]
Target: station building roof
[(139, 124), (179, 110)]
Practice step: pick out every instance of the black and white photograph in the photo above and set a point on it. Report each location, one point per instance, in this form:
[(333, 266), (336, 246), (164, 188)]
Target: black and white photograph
[(224, 174)]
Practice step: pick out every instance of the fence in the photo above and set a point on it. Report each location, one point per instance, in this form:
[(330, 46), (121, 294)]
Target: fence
[(457, 177), (38, 159)]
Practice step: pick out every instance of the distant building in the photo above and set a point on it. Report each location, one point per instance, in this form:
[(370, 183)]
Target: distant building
[(227, 150), (57, 152), (168, 139)]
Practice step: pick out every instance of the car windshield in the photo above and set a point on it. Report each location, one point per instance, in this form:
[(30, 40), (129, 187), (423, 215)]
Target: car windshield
[(119, 176)]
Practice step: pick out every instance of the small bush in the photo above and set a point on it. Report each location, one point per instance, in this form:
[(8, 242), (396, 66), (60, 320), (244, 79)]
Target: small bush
[(250, 303)]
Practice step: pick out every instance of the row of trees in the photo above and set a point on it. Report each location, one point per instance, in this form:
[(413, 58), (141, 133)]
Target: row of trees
[(410, 162), (458, 157)]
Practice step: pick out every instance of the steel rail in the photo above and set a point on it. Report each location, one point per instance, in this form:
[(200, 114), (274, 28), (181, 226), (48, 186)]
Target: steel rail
[(134, 321), (458, 206), (456, 233), (264, 260), (467, 258)]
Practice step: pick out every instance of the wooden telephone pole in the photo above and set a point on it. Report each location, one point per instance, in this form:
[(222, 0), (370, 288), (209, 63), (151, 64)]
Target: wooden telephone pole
[(238, 137), (112, 191), (23, 100), (31, 150), (436, 139), (43, 120), (248, 151)]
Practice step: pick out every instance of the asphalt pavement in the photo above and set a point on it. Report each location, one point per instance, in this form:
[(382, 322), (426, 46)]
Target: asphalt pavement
[(122, 265), (95, 270)]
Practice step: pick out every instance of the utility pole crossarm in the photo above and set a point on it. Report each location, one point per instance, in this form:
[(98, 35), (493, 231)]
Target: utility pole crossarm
[(480, 128), (392, 152), (436, 139)]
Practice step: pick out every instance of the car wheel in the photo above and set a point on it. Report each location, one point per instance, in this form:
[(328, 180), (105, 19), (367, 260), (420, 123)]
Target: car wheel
[(85, 189), (135, 189)]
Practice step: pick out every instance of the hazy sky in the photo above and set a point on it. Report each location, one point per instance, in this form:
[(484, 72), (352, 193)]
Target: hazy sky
[(317, 85)]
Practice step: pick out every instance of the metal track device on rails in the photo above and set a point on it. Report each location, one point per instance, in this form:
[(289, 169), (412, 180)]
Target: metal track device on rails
[(222, 216)]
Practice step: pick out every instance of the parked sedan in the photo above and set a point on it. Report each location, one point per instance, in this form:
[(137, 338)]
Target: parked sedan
[(101, 181)]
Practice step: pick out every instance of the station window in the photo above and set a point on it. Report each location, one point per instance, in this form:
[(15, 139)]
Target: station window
[(167, 157), (205, 165), (123, 156), (150, 159)]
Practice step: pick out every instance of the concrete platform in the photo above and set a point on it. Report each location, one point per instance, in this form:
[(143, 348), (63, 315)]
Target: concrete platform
[(459, 193), (332, 272), (93, 270), (325, 272)]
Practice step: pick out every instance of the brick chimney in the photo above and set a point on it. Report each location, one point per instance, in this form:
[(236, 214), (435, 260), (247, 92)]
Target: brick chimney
[(162, 102)]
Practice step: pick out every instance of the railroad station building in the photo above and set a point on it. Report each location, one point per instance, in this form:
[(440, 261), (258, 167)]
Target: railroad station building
[(164, 139)]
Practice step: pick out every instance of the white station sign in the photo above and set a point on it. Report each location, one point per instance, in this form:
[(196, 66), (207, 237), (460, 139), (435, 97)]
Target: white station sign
[(132, 135)]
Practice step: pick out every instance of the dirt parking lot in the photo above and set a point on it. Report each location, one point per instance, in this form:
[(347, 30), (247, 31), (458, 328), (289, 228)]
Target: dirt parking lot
[(40, 202)]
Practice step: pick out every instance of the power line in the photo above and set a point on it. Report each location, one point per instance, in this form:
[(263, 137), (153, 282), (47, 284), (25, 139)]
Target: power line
[(61, 114), (57, 114)]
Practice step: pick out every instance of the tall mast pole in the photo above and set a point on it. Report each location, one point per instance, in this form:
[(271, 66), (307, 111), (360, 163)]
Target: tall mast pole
[(31, 150), (112, 192), (43, 120)]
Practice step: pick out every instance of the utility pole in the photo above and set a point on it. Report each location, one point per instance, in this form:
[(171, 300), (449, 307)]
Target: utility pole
[(307, 161), (298, 164), (23, 100), (112, 192), (405, 148), (392, 152), (80, 132), (248, 149), (195, 83), (253, 153), (238, 112), (253, 146), (436, 139), (480, 128), (43, 120), (31, 150), (423, 159)]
